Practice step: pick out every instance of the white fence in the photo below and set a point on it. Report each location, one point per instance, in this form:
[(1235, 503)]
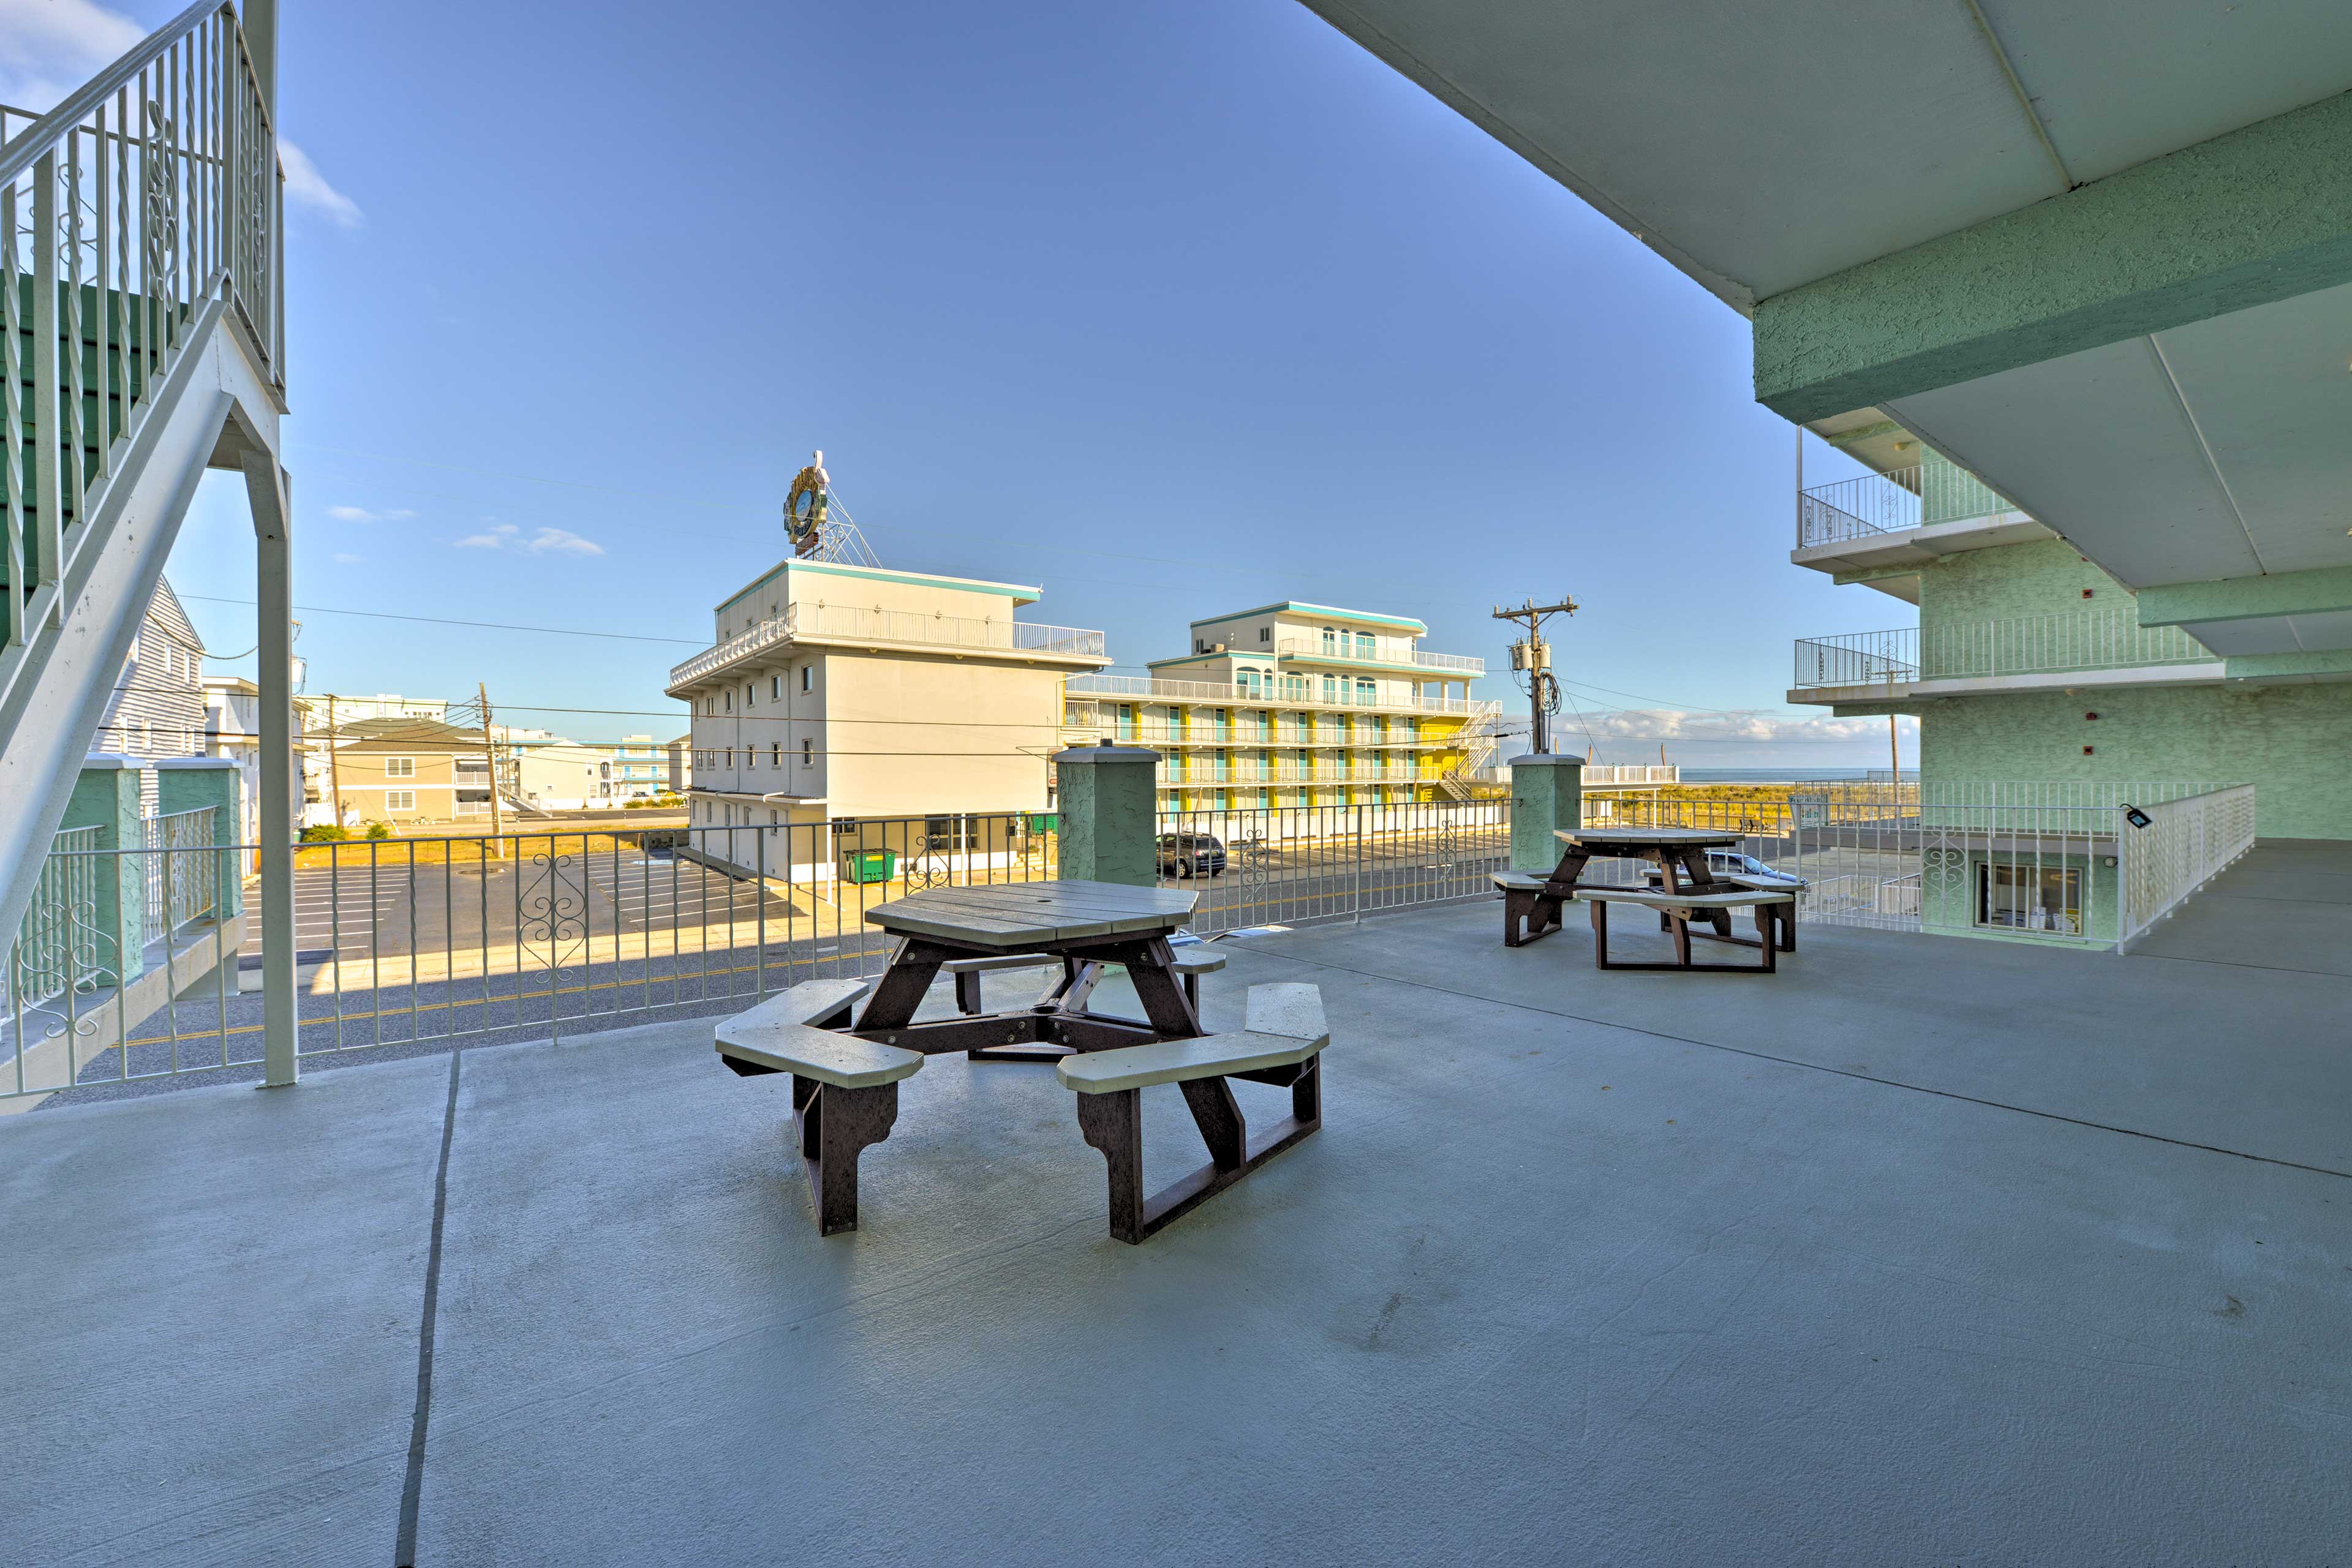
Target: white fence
[(1288, 865), (2185, 844)]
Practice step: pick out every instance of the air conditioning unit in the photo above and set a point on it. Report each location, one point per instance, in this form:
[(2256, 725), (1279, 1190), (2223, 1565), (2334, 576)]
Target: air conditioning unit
[(1216, 647)]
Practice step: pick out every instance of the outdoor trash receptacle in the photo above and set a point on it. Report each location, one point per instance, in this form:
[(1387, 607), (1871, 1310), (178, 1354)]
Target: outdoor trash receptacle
[(869, 864)]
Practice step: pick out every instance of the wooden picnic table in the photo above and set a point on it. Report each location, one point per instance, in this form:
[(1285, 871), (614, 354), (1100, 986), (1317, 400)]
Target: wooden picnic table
[(1085, 925), (1675, 850)]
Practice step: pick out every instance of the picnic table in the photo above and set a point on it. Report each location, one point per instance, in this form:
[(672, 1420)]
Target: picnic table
[(1686, 890), (1085, 925)]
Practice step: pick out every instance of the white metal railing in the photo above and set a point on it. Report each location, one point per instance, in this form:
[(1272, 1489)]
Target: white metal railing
[(1161, 733), (2045, 860), (1390, 652), (1858, 658), (1285, 865), (1297, 773), (1152, 688), (524, 936), (52, 953), (1604, 775), (182, 885), (1893, 501), (2110, 637), (149, 193), (2107, 638), (854, 623), (2185, 844)]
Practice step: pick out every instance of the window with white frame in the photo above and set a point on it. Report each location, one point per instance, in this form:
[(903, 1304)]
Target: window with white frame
[(400, 800), (775, 688), (808, 677), (400, 767), (808, 753), (775, 754)]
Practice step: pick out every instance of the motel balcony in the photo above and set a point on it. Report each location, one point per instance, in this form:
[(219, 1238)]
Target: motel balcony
[(1905, 1253), (1380, 653), (1904, 518), (851, 626), (1117, 688), (2102, 647)]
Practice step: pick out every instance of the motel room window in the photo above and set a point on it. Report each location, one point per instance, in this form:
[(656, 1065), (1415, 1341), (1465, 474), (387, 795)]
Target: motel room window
[(400, 767), (750, 689), (730, 700), (2031, 897), (775, 688), (400, 800), (775, 754), (808, 753), (808, 677)]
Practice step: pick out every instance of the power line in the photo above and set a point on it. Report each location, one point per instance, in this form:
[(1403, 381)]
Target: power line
[(442, 621)]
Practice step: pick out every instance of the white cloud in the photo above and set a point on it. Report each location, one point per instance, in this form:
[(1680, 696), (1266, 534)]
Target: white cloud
[(564, 540), (47, 47), (305, 187), (503, 535), (345, 560), (361, 514), (1698, 726)]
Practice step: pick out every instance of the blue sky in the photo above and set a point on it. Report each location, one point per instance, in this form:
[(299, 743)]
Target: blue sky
[(1170, 307)]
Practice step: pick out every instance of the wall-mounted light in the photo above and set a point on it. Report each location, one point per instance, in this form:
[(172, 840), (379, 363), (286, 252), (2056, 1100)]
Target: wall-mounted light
[(2136, 816), (2087, 751), (2090, 715)]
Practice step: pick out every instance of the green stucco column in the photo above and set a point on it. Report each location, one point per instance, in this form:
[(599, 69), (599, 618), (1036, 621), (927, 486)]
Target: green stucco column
[(1107, 821), (1547, 794), (191, 783), (106, 797)]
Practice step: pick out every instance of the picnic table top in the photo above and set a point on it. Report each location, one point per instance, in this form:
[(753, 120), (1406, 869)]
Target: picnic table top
[(1646, 837), (1008, 915)]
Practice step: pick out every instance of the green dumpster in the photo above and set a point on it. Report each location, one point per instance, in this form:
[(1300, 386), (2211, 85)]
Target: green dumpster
[(863, 865), (1044, 822)]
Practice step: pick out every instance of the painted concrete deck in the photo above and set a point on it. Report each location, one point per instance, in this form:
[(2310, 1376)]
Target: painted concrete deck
[(1924, 1251)]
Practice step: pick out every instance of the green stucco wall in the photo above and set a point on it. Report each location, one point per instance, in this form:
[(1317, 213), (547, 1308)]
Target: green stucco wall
[(2292, 743), (2044, 578)]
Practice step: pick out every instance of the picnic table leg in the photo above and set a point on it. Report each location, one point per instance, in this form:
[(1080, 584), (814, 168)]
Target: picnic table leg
[(834, 1125), (1599, 933), (1703, 881), (901, 988), (1172, 1016), (1113, 1123)]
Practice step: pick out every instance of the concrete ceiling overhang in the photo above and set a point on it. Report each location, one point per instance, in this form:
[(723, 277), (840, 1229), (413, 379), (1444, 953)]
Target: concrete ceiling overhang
[(2197, 430)]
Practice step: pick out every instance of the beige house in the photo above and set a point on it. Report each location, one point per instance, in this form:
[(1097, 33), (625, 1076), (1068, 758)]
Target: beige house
[(838, 692), (409, 770)]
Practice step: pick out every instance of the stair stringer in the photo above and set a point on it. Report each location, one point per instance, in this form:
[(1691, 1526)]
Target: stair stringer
[(212, 404)]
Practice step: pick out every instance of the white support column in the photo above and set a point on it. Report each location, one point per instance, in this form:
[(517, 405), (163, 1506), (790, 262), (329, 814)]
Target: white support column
[(266, 492)]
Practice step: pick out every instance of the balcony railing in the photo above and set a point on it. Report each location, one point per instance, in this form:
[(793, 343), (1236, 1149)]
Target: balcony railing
[(1381, 653), (1602, 775), (1294, 773), (1150, 689), (2026, 644), (908, 628), (1893, 501)]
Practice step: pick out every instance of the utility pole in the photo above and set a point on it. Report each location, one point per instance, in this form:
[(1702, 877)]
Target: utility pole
[(498, 844), (1895, 755), (334, 764), (1531, 656)]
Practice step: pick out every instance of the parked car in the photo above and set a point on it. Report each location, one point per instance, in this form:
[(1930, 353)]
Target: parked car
[(1732, 863), (1190, 855)]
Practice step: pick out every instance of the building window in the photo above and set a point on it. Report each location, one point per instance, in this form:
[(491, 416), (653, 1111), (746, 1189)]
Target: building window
[(2031, 897), (775, 688), (400, 800), (1366, 647), (808, 753), (730, 700), (1330, 640), (1265, 634), (808, 677), (750, 689), (775, 754), (400, 767)]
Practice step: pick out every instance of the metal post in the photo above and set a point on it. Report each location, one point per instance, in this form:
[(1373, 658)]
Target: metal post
[(267, 488)]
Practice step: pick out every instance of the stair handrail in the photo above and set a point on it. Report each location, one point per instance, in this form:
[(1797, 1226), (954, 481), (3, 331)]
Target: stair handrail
[(17, 154)]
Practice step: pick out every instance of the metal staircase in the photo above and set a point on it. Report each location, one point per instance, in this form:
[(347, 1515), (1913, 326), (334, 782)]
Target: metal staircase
[(141, 331)]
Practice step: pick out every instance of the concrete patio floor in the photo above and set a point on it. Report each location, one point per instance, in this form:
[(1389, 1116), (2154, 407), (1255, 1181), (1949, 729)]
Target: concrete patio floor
[(1924, 1251)]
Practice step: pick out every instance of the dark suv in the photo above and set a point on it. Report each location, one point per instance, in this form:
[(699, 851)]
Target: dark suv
[(1190, 855)]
